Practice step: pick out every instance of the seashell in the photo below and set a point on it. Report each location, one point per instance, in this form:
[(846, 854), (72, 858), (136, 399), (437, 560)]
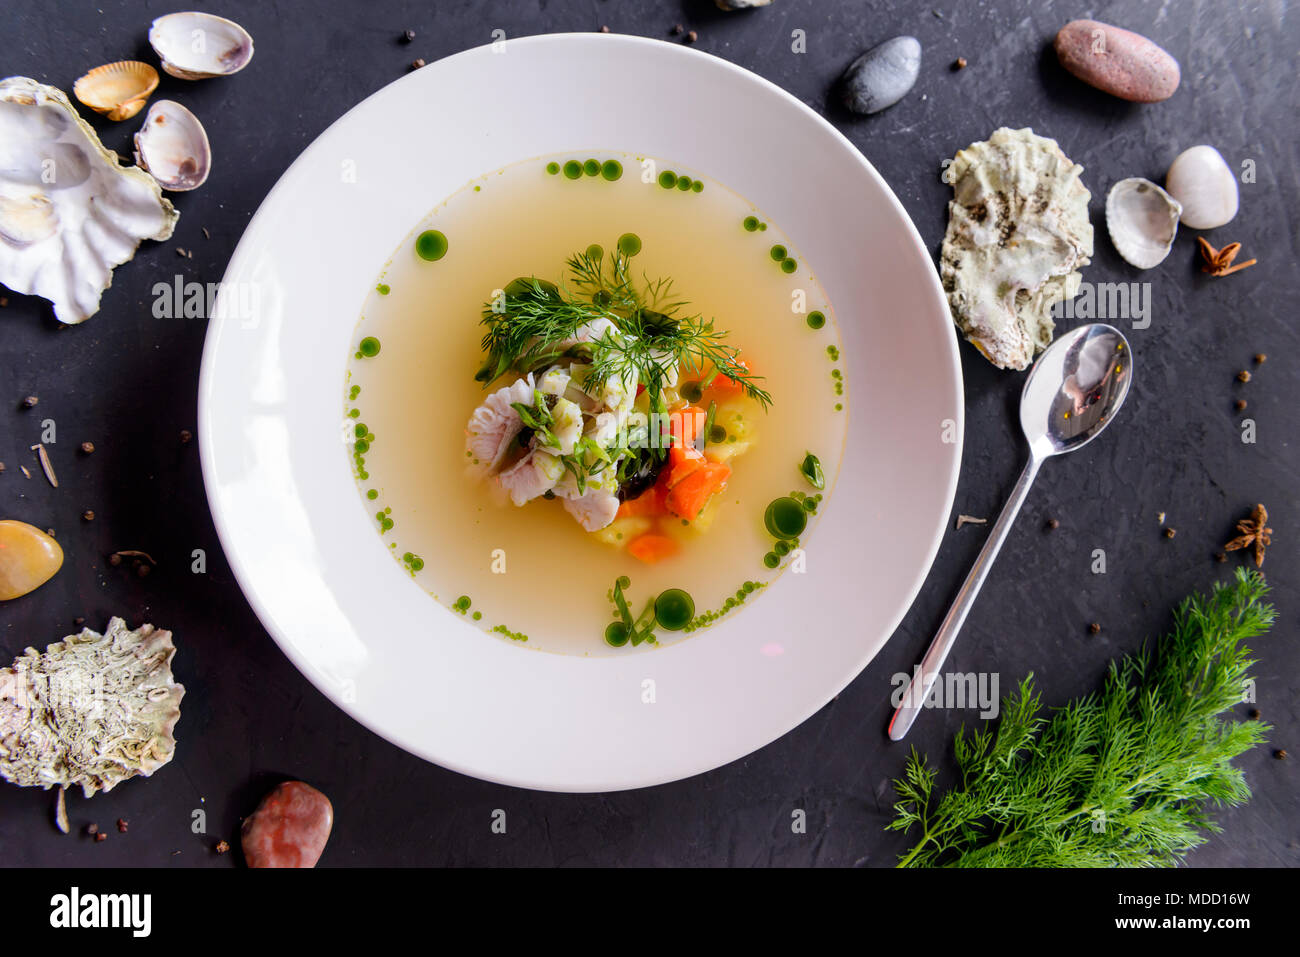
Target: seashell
[(1018, 234), (69, 212), (88, 710), (196, 46), (118, 90), (173, 147), (1201, 180), (1142, 220)]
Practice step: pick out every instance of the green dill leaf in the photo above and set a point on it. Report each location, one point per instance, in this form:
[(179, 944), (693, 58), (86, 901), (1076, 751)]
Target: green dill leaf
[(1123, 777)]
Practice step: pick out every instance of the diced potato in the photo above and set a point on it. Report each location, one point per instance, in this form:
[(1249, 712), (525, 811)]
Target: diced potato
[(734, 419), (620, 531), (726, 451)]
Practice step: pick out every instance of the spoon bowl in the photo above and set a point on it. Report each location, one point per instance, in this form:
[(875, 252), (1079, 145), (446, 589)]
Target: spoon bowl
[(1075, 388)]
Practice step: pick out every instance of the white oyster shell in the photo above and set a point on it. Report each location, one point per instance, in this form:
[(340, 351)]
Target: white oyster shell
[(196, 46), (173, 146), (1018, 232), (1142, 220), (69, 213), (92, 709)]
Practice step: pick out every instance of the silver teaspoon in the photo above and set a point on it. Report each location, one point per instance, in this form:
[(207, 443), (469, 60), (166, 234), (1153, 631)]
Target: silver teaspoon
[(1072, 392)]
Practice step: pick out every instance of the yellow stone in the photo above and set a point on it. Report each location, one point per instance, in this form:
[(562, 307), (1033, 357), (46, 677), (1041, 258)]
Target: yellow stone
[(28, 558)]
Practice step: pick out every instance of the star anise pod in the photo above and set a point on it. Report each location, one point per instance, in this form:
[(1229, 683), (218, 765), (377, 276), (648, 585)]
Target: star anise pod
[(1218, 262), (1254, 531)]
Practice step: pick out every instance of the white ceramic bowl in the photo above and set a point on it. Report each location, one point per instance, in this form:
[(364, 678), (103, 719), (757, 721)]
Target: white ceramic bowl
[(322, 581)]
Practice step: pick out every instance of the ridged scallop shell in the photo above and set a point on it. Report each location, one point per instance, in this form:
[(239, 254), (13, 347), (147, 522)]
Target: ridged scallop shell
[(118, 90), (196, 46), (69, 212), (173, 147), (1018, 234), (1142, 220)]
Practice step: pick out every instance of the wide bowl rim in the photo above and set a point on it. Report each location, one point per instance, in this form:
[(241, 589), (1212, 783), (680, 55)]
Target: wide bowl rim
[(223, 522)]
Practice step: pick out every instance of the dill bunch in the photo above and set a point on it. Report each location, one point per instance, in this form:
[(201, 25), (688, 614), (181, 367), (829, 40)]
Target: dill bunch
[(527, 323), (1124, 777)]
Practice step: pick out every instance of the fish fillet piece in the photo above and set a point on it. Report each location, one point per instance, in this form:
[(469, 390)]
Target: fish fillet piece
[(533, 475), (494, 425)]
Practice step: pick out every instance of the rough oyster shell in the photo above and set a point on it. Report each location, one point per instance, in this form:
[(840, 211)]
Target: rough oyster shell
[(92, 709), (69, 213), (196, 46), (173, 147), (1018, 232), (118, 90), (1142, 220)]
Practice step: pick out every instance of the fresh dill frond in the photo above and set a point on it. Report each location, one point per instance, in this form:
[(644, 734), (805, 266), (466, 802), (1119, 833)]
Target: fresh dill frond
[(532, 323), (1124, 777)]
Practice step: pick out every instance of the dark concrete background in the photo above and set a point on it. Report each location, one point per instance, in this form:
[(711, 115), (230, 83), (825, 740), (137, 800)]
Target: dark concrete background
[(126, 381)]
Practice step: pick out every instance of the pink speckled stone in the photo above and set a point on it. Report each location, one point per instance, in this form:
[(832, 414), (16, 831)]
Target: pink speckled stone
[(289, 828), (1119, 62)]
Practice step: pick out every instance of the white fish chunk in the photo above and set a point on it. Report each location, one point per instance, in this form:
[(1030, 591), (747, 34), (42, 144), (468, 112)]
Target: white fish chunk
[(494, 425), (596, 505), (594, 509), (604, 429), (533, 475), (554, 381), (591, 332), (616, 393), (566, 426)]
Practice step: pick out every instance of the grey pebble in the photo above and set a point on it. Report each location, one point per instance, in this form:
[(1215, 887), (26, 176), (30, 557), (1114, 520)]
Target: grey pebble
[(740, 4), (882, 76)]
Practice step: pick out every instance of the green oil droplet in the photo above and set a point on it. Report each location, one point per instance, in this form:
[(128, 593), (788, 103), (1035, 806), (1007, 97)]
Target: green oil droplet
[(431, 245), (572, 169), (591, 167), (750, 224), (785, 518), (552, 168), (383, 289), (369, 347), (816, 319), (667, 179), (612, 170), (789, 265), (778, 253), (674, 609)]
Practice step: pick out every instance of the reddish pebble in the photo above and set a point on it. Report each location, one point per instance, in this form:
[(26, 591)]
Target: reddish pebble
[(289, 828), (1116, 61)]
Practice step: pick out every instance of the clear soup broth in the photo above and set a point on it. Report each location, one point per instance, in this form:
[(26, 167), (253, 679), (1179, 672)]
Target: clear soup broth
[(531, 575)]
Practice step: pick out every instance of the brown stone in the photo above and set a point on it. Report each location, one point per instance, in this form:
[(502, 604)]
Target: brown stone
[(1117, 61), (289, 828)]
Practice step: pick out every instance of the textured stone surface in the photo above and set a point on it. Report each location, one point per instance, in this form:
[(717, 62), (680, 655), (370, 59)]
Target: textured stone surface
[(1117, 61), (289, 828), (127, 382), (882, 76)]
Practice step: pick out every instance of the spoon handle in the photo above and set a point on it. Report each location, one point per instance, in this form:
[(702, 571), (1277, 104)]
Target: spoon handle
[(919, 687)]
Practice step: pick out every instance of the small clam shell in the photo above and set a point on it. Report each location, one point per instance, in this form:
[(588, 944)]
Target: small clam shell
[(195, 46), (1142, 220), (173, 146), (1201, 180), (118, 90)]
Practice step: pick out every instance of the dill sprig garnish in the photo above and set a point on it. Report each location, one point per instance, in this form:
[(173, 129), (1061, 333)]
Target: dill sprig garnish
[(1119, 778), (530, 320)]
